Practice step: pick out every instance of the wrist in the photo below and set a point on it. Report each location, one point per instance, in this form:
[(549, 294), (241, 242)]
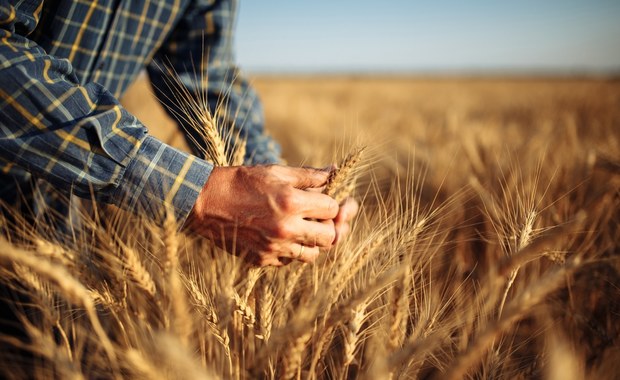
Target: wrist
[(211, 200)]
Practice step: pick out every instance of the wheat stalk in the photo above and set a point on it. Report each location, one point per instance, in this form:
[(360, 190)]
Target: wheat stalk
[(70, 287), (182, 324)]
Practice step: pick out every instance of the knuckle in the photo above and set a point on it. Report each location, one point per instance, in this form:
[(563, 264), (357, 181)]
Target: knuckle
[(246, 173), (319, 175), (285, 199), (275, 172), (270, 249), (270, 169), (326, 239), (281, 231)]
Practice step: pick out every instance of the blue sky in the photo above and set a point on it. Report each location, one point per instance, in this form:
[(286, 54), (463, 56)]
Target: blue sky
[(441, 35)]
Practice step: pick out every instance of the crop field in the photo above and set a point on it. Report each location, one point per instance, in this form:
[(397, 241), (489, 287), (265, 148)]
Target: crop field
[(487, 246)]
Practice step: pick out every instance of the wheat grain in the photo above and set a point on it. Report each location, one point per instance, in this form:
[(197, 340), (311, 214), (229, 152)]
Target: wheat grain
[(244, 310), (352, 331)]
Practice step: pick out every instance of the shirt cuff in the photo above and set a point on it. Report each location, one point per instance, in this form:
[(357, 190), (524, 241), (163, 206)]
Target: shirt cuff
[(161, 178)]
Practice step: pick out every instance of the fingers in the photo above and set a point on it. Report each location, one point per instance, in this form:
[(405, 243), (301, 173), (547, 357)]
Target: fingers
[(295, 251), (311, 236), (306, 239), (347, 211), (302, 253), (324, 224), (315, 205), (315, 233)]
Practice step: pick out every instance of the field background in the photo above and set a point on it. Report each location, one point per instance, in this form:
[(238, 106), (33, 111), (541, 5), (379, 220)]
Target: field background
[(310, 113), (486, 247)]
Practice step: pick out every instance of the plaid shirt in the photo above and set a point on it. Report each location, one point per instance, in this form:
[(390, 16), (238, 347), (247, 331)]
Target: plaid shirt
[(64, 63)]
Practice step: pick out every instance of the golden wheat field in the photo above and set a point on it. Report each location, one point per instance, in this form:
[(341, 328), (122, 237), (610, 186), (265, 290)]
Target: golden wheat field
[(487, 246)]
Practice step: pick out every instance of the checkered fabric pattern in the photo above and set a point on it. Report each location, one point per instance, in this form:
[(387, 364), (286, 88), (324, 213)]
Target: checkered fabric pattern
[(64, 63)]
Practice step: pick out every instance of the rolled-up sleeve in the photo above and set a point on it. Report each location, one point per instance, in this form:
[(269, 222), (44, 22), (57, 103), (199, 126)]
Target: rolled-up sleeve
[(161, 175)]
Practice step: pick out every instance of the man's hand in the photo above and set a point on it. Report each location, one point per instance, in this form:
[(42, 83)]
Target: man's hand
[(269, 212)]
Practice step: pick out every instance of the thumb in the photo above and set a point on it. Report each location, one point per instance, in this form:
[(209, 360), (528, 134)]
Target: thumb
[(310, 177)]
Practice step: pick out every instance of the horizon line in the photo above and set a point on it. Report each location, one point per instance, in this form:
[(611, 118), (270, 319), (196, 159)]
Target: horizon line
[(535, 72)]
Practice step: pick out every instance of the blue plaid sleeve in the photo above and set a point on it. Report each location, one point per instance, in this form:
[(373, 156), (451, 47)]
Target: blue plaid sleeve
[(200, 47), (159, 173), (78, 137)]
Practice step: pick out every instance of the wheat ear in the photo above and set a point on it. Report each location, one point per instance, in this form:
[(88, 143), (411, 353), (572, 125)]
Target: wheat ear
[(340, 179), (400, 312), (352, 333), (54, 252), (244, 310), (266, 304), (238, 157), (137, 272), (291, 363), (195, 112)]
